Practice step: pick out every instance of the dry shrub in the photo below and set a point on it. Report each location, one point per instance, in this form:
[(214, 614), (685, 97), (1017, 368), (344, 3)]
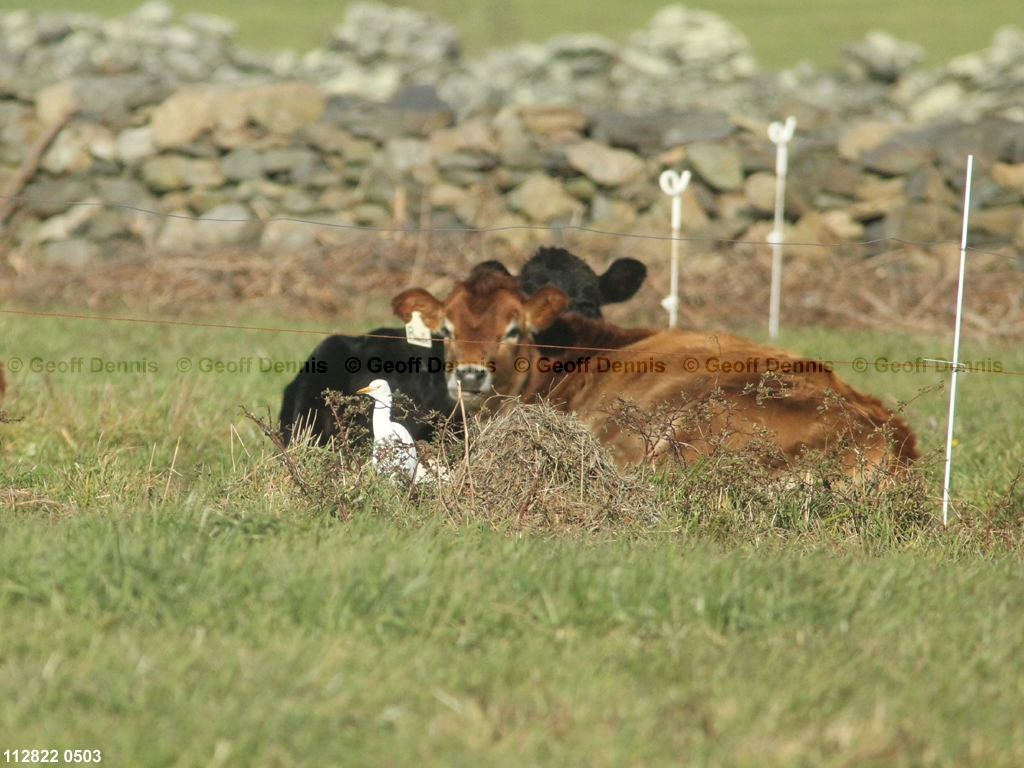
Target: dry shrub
[(533, 468), (538, 469), (735, 495), (754, 491), (334, 476)]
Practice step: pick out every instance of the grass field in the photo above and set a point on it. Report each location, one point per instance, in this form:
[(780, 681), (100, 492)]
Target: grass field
[(190, 618), (167, 598), (782, 32)]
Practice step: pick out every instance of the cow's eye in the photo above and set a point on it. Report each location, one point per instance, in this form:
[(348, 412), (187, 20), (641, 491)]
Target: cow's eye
[(512, 334), (446, 332)]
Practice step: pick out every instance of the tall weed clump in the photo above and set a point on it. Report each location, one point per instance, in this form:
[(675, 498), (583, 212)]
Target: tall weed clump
[(739, 491)]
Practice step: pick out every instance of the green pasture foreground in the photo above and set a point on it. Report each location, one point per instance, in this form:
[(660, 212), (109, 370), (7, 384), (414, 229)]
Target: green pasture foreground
[(160, 602), (174, 638), (782, 32)]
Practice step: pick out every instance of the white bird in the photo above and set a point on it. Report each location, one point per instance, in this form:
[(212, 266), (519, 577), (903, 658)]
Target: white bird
[(394, 451)]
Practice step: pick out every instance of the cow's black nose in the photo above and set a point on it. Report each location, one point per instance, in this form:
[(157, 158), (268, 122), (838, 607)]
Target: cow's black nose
[(471, 377)]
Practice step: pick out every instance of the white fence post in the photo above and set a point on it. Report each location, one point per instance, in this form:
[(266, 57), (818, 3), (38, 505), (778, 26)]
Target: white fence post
[(780, 135), (956, 342), (674, 184)]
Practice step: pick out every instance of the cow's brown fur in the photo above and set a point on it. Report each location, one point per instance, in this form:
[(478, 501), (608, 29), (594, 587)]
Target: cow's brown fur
[(482, 309), (804, 406), (3, 381)]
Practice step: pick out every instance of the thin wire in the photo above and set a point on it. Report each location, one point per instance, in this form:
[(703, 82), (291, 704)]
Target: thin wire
[(487, 230)]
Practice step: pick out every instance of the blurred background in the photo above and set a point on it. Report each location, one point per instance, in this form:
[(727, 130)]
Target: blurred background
[(782, 32)]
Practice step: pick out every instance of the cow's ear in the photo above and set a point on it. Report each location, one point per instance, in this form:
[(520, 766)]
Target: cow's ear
[(544, 307), (490, 266), (621, 281), (418, 300)]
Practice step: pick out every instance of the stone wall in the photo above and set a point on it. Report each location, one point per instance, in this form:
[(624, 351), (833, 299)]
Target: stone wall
[(390, 126)]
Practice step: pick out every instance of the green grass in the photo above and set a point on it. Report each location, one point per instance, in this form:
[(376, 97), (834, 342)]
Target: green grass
[(782, 32), (159, 635), (196, 617)]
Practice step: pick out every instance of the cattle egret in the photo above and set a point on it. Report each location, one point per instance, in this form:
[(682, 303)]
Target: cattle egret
[(394, 451)]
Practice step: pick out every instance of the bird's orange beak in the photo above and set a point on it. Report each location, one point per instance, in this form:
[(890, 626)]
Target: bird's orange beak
[(365, 390)]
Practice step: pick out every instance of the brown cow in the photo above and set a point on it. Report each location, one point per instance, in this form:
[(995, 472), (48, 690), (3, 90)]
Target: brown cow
[(488, 324)]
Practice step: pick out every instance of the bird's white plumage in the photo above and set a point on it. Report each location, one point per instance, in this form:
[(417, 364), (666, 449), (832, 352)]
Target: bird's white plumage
[(394, 450)]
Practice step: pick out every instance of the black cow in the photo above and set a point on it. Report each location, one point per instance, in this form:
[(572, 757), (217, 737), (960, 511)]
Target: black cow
[(328, 364), (329, 367), (587, 292)]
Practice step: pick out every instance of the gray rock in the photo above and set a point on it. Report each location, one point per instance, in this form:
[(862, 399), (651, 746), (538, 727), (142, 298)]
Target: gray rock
[(926, 185), (178, 233), (553, 120), (464, 161), (718, 164), (75, 146), (378, 188), (1009, 176), (369, 214), (153, 13), (298, 203), (759, 189), (920, 223), (71, 222), (942, 101), (822, 170), (202, 200), (374, 32), (48, 197), (166, 173), (105, 225), (107, 100), (693, 41), (124, 192), (241, 164), (697, 126), (543, 199), (183, 116), (418, 110), (640, 133), (897, 158), (328, 138), (287, 235), (115, 58), (135, 144), (76, 252), (284, 108), (406, 154), (882, 57), (228, 224), (580, 187), (290, 164), (608, 167), (1002, 222)]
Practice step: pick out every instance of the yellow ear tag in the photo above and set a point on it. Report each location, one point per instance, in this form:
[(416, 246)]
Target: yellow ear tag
[(416, 331)]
